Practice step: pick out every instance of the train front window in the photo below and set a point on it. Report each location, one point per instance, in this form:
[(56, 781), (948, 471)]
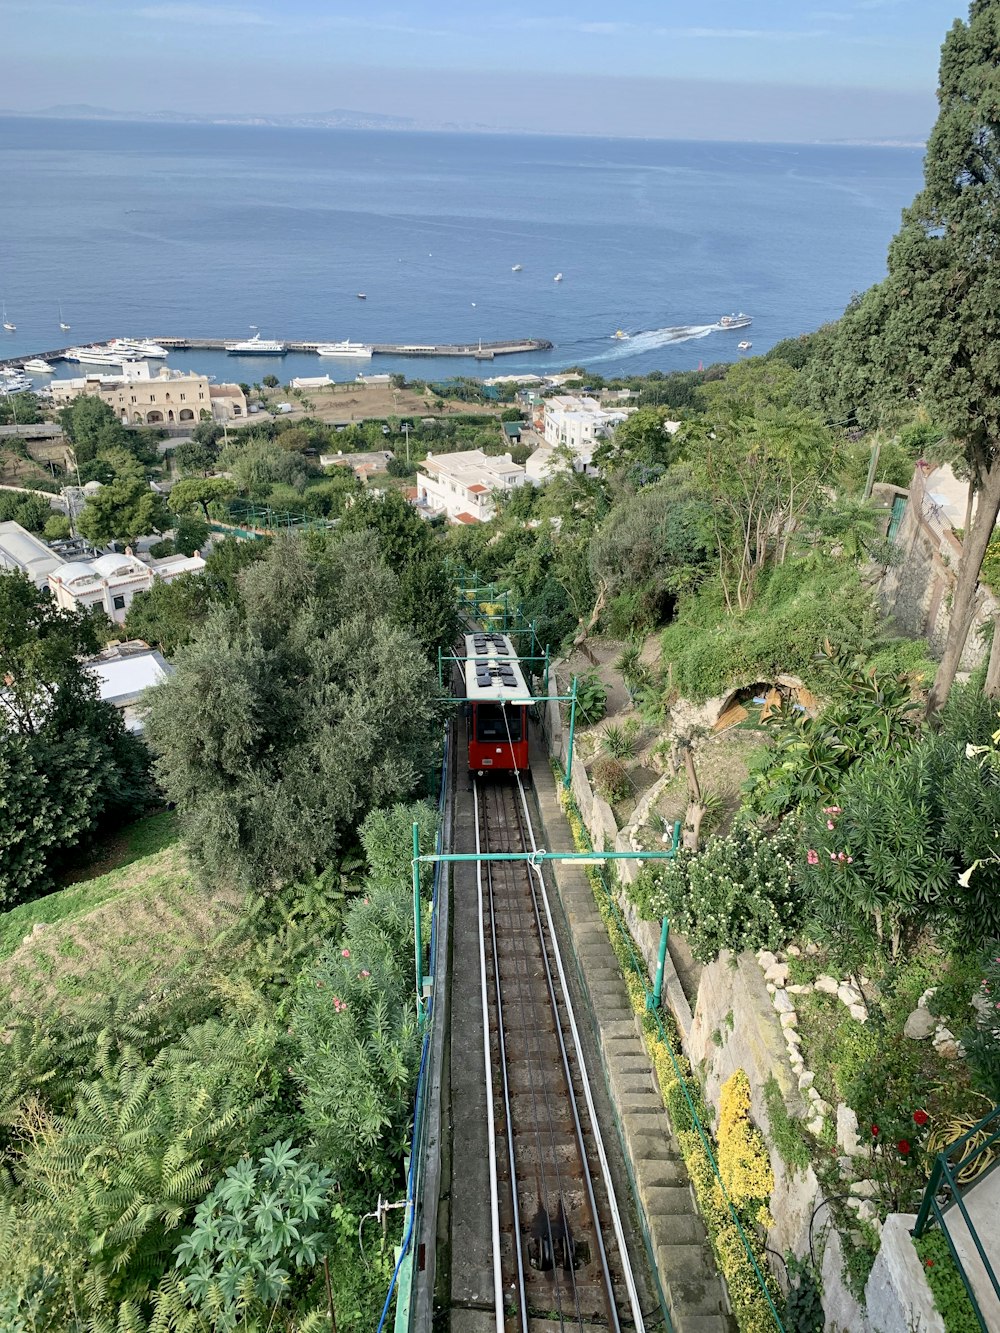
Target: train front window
[(490, 724)]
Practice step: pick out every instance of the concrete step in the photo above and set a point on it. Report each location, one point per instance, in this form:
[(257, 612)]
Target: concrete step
[(665, 1200)]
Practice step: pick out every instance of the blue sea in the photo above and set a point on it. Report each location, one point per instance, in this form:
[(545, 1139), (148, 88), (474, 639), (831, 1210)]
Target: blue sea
[(155, 230)]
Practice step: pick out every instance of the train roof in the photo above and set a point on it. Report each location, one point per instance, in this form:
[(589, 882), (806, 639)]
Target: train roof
[(492, 671)]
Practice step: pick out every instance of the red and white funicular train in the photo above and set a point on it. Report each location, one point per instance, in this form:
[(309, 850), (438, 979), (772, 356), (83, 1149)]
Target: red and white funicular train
[(498, 698)]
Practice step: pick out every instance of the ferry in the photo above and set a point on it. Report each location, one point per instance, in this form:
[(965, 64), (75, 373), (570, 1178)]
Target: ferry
[(138, 349), (257, 346), (38, 367), (739, 321), (345, 348)]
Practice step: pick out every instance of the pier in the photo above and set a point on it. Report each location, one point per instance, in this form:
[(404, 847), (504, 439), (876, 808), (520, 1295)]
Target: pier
[(478, 351)]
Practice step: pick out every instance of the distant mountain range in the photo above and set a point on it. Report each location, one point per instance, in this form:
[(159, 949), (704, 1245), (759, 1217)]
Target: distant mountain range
[(318, 120)]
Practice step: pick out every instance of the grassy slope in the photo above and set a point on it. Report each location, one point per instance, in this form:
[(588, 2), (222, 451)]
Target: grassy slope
[(124, 931)]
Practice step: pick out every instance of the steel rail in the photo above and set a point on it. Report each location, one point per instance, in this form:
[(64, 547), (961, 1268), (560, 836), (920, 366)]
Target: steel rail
[(505, 1084), (520, 956), (490, 1125), (612, 1303), (619, 1231)]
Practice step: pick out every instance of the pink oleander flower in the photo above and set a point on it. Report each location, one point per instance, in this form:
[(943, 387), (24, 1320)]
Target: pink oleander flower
[(365, 972), (831, 809), (813, 859), (829, 823)]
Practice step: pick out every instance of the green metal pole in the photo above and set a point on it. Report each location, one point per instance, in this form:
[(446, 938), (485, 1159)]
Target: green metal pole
[(440, 672), (572, 729), (418, 944), (546, 669), (653, 1001)]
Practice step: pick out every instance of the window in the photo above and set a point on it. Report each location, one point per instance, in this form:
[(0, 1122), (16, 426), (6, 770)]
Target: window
[(134, 399), (118, 603), (183, 397), (201, 395), (490, 725)]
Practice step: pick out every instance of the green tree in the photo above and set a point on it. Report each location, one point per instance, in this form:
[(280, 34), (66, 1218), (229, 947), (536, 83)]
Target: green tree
[(190, 534), (123, 510), (201, 492), (31, 511), (641, 445), (91, 427), (271, 381), (194, 458), (291, 715), (931, 331), (56, 528), (66, 762)]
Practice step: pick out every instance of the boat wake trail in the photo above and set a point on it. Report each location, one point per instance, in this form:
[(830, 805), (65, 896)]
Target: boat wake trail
[(652, 339)]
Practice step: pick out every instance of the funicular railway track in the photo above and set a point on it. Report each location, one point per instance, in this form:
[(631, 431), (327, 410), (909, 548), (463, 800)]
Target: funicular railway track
[(560, 1258)]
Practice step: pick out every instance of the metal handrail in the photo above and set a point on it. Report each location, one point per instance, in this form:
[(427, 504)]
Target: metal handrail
[(945, 1173)]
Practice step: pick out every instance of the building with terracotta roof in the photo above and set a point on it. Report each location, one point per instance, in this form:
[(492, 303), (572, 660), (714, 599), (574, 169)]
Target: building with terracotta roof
[(462, 485)]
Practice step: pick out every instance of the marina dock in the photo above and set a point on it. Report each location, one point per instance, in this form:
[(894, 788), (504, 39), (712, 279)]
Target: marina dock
[(479, 351)]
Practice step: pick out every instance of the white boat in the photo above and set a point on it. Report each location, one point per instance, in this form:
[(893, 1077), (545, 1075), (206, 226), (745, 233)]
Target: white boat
[(39, 367), (621, 335), (745, 345), (517, 268), (14, 381), (361, 296), (138, 349), (557, 278), (62, 323), (345, 348), (94, 356), (8, 325), (739, 321), (257, 346)]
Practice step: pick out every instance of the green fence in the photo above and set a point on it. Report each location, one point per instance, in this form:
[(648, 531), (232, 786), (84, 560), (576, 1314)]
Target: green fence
[(958, 1167)]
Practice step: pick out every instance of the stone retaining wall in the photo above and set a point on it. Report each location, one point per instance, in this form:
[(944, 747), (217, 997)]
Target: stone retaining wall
[(734, 1026)]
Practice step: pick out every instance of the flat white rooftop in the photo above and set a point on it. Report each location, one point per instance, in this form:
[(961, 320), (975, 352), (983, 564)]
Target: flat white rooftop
[(492, 671), (21, 550)]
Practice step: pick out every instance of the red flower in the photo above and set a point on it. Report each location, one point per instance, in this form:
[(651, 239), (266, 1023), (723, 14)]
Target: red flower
[(920, 1118), (875, 1130), (904, 1146), (928, 1263)]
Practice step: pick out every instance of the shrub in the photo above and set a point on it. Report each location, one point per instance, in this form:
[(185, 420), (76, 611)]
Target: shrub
[(951, 1300), (611, 779), (982, 1042), (591, 698), (743, 1161), (259, 1222), (737, 894), (620, 742), (786, 1132)]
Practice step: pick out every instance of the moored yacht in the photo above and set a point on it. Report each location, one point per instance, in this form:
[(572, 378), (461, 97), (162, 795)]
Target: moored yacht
[(345, 348), (38, 367), (257, 346), (95, 356), (14, 381), (138, 349)]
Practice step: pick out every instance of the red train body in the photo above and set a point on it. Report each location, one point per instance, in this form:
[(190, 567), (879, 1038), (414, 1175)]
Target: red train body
[(498, 709)]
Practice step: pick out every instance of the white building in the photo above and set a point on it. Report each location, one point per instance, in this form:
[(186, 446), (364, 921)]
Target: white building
[(124, 672), (112, 581), (23, 552), (580, 424), (461, 485)]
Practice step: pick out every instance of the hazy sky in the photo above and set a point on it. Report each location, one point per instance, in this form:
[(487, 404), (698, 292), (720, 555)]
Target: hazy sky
[(778, 69)]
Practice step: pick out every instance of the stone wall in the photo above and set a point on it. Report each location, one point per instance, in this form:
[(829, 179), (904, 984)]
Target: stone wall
[(917, 593), (734, 1026)]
